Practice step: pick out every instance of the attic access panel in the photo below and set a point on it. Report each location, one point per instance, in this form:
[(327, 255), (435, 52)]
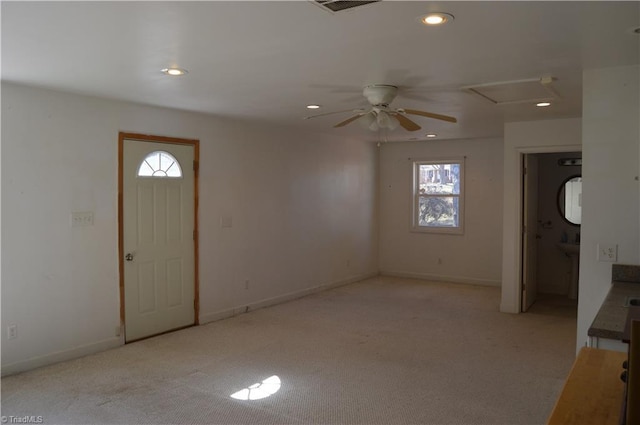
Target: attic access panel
[(339, 5), (516, 91)]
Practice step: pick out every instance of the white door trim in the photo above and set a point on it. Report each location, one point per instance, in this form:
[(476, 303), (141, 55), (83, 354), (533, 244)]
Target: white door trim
[(511, 301), (529, 221)]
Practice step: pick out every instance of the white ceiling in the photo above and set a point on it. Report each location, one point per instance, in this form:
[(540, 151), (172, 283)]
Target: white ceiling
[(266, 60)]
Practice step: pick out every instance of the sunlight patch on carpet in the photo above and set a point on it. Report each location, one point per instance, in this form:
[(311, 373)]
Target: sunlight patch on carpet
[(260, 390)]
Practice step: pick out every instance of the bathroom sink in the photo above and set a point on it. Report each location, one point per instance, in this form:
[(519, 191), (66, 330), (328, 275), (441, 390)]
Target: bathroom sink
[(569, 248), (573, 252), (632, 302)]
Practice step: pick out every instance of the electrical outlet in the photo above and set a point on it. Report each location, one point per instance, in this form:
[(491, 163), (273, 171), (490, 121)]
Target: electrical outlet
[(12, 331), (226, 222), (607, 253)]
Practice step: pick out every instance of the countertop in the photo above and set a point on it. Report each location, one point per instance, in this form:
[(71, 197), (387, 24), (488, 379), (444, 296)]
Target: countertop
[(611, 318), (593, 392)]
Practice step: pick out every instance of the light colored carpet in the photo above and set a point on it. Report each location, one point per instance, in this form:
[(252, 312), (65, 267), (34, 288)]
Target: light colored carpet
[(381, 351)]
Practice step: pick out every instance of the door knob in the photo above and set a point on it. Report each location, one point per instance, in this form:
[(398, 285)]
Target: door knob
[(129, 257)]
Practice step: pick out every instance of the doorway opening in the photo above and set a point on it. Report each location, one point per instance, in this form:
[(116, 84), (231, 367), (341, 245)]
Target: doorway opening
[(157, 234), (550, 242)]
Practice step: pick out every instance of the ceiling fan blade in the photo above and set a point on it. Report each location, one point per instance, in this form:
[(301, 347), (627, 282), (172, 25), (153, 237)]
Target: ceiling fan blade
[(406, 123), (347, 121), (429, 115), (331, 113)]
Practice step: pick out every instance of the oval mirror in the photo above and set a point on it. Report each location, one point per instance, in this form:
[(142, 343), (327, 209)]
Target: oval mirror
[(570, 200)]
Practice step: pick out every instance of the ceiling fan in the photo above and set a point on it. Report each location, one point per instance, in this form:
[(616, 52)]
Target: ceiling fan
[(380, 115)]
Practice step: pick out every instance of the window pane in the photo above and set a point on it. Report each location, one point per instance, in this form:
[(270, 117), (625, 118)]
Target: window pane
[(174, 170), (145, 170), (439, 178), (153, 159), (166, 161), (159, 164), (438, 211)]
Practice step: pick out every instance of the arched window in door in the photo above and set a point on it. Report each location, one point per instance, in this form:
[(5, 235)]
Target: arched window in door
[(159, 164)]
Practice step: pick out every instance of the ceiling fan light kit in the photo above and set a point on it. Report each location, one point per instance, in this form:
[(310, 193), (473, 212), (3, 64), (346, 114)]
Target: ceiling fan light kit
[(378, 121), (385, 120), (368, 122), (381, 116), (380, 94)]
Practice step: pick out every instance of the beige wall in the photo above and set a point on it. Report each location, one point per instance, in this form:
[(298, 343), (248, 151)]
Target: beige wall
[(303, 208), (473, 257), (611, 141)]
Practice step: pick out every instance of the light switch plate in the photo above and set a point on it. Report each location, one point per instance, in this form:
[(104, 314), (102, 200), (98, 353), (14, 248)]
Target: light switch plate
[(81, 218), (607, 253)]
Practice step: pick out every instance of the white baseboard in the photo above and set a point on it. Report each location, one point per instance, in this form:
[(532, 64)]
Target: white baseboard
[(114, 342), (61, 356), (224, 314), (509, 308), (442, 278)]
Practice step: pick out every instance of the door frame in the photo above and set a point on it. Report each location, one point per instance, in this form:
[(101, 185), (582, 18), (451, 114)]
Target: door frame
[(526, 231), (122, 136), (512, 270)]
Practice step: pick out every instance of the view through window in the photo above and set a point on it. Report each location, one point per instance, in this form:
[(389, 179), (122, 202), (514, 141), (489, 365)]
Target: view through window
[(438, 196)]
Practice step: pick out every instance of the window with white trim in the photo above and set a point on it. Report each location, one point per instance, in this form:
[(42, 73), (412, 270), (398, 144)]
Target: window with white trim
[(438, 196), (159, 164)]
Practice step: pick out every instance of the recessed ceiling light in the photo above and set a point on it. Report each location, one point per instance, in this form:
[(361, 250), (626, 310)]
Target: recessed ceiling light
[(431, 135), (313, 106), (543, 104), (174, 72), (436, 18)]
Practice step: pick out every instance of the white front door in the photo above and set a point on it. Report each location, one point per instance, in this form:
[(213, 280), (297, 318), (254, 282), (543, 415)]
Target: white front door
[(530, 232), (158, 237)]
